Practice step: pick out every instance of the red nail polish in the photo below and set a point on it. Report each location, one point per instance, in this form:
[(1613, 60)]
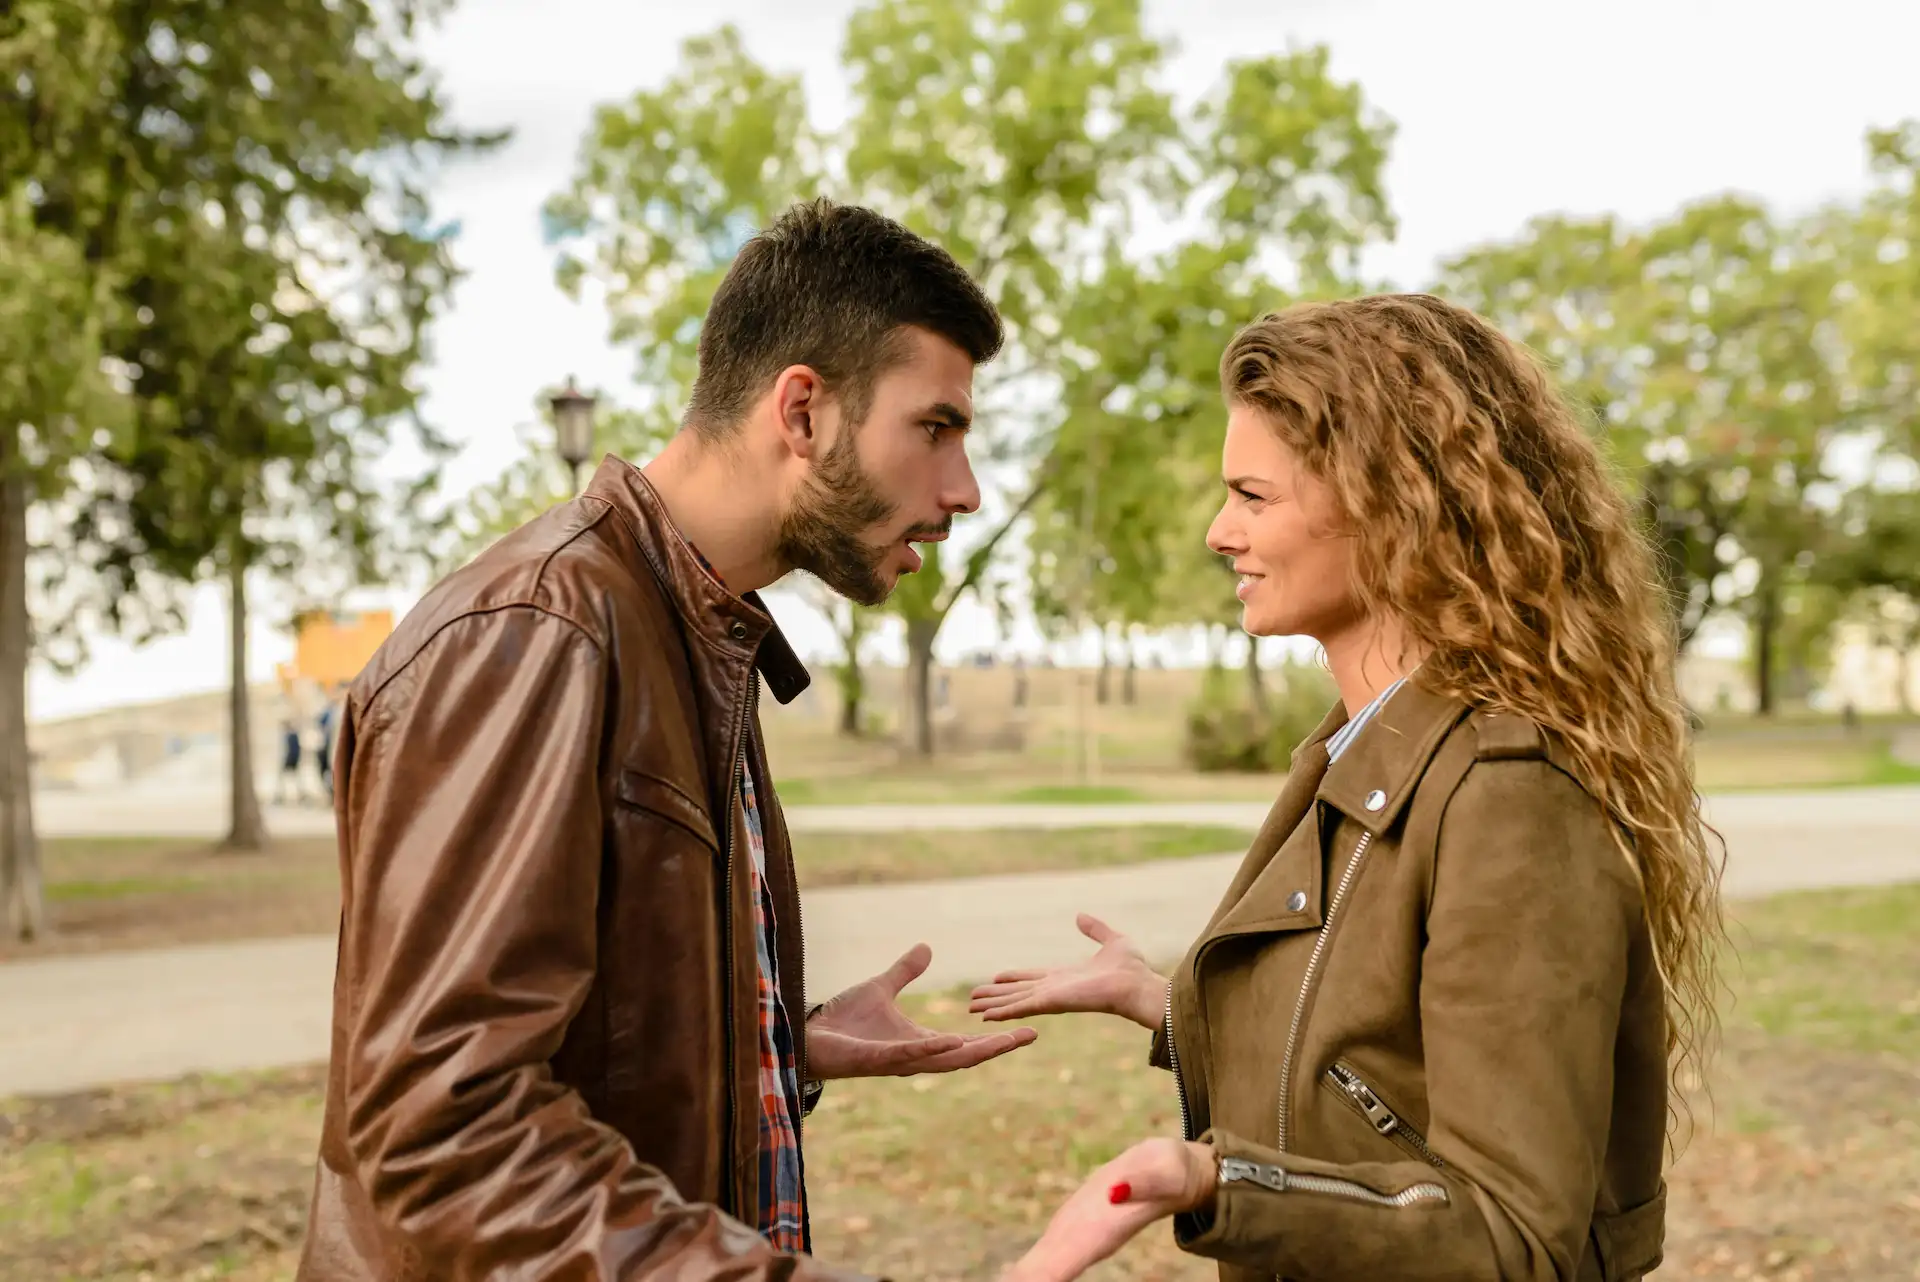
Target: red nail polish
[(1120, 1192)]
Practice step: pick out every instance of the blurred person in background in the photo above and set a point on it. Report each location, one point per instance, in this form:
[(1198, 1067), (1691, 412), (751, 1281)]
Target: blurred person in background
[(1430, 1030)]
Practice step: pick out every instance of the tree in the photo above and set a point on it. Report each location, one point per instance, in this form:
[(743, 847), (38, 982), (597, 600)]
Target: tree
[(1709, 353), (668, 186), (1575, 290), (852, 627), (280, 299), (1883, 271), (56, 400), (1279, 177), (1003, 130), (51, 388), (1877, 569)]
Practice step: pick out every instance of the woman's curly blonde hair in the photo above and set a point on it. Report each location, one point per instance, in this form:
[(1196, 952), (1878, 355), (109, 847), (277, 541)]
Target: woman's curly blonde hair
[(1488, 524)]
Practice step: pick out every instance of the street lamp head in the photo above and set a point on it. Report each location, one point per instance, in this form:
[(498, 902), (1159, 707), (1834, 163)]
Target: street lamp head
[(573, 423)]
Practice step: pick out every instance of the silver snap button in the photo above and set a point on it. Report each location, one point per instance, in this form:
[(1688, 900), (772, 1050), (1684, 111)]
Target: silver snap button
[(1376, 799), (1296, 901), (739, 630)]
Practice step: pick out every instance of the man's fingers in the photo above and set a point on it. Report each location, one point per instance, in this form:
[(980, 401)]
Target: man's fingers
[(912, 964), (979, 1049), (1005, 987), (891, 1056), (1095, 929)]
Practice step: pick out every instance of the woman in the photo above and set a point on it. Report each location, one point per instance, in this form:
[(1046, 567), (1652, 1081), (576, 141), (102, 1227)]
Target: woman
[(1428, 1031)]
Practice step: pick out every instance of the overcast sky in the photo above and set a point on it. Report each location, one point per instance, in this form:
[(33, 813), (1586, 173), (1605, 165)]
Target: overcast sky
[(1505, 109)]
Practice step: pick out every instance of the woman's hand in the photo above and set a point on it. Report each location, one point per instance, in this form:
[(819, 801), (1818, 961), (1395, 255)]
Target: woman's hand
[(1153, 1179), (1114, 981)]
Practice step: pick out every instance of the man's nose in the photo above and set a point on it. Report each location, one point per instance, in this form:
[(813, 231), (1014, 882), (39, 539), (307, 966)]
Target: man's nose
[(962, 489)]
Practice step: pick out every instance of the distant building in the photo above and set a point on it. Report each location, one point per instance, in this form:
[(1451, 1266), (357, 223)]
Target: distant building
[(1868, 676), (331, 646)]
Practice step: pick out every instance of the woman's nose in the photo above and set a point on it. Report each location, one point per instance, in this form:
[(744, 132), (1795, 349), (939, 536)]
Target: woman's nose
[(1221, 536)]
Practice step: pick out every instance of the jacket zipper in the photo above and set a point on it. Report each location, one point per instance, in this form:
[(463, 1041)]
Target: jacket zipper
[(1384, 1119), (1306, 983), (1281, 1180), (1173, 1062), (734, 802), (800, 1040)]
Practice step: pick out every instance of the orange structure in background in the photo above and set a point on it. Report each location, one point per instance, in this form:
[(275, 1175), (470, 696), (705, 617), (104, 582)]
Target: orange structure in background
[(331, 646)]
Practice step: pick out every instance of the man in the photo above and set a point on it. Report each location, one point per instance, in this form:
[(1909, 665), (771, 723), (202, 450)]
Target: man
[(570, 1038)]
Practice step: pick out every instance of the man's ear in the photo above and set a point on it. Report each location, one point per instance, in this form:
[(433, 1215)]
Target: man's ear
[(799, 398)]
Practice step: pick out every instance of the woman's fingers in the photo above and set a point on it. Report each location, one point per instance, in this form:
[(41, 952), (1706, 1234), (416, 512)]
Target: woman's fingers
[(1013, 1008), (1010, 982)]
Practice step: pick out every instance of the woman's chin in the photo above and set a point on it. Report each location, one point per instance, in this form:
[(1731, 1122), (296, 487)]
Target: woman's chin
[(1258, 622)]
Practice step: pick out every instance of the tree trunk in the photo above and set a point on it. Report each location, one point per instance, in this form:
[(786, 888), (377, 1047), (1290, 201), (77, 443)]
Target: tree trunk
[(1129, 691), (1766, 629), (1256, 679), (852, 679), (918, 705), (1103, 688), (23, 906), (850, 704), (1907, 677), (247, 829)]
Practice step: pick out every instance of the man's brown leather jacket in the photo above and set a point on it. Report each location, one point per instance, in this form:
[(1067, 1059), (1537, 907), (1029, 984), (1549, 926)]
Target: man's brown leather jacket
[(545, 1055)]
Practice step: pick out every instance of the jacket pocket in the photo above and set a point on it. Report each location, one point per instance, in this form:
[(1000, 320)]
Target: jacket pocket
[(668, 801), (1363, 1099)]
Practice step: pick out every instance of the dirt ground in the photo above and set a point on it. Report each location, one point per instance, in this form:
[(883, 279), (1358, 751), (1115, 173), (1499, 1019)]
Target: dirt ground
[(1805, 1166)]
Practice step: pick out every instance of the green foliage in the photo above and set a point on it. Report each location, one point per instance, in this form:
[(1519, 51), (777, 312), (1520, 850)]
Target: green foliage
[(668, 186), (1724, 355), (247, 203), (1225, 732), (1279, 178)]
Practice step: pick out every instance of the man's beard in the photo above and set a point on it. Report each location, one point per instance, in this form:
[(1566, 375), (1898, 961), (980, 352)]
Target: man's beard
[(822, 534)]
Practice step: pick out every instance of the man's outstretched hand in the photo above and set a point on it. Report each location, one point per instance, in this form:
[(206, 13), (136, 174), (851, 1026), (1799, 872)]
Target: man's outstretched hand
[(861, 1033)]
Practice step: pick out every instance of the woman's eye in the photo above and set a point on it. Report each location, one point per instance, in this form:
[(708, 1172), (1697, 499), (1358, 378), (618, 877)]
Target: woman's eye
[(1248, 495)]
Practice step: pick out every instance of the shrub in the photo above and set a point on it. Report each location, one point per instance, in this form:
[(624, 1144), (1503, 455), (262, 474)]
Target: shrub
[(1225, 733)]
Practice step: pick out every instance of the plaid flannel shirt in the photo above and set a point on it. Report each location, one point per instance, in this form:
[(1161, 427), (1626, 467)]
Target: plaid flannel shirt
[(783, 1194)]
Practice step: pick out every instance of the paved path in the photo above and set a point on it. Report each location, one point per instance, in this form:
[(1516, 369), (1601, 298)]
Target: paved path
[(198, 814), (76, 1022)]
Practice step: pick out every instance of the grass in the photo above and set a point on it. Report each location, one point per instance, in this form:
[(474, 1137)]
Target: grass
[(1809, 1168), (1836, 970), (838, 859), (995, 753)]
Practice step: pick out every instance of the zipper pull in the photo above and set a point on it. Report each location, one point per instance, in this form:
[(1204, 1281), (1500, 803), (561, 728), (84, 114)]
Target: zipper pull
[(1234, 1169), (1383, 1118)]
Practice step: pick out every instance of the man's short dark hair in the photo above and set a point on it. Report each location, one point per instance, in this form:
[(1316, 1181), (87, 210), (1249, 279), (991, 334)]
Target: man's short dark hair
[(829, 286)]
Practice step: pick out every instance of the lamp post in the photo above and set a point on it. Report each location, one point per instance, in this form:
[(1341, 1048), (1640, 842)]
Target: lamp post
[(573, 427)]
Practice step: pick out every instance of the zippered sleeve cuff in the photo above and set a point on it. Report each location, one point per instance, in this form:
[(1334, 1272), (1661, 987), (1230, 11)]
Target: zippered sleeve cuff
[(810, 1090), (1295, 1217), (1157, 1052), (1160, 1052)]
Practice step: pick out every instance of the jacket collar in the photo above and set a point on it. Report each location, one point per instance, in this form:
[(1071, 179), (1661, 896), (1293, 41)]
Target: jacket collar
[(1329, 726), (729, 623), (1377, 774)]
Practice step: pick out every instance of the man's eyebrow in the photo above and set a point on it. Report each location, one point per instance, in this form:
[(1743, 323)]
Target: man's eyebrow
[(949, 415)]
